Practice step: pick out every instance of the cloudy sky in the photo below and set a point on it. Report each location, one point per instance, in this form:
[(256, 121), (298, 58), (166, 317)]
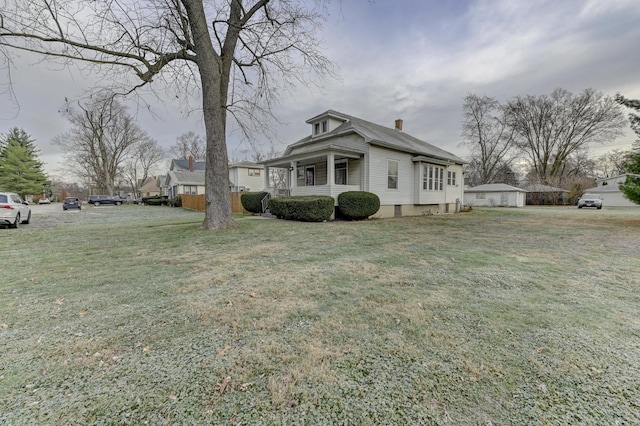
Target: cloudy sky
[(409, 59)]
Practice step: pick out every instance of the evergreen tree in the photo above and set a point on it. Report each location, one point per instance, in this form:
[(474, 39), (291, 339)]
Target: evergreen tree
[(631, 188), (21, 171)]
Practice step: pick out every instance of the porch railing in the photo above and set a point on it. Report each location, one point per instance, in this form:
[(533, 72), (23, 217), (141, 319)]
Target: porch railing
[(264, 202)]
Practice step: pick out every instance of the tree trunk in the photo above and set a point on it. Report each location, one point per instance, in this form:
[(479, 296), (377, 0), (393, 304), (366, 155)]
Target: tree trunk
[(217, 198), (214, 97)]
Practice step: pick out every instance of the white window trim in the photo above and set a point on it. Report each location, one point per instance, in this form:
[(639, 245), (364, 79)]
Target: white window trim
[(397, 175), (433, 178), (452, 178), (346, 172)]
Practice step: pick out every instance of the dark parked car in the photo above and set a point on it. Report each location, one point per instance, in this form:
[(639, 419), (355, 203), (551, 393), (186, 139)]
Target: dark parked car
[(71, 203), (590, 200), (97, 200)]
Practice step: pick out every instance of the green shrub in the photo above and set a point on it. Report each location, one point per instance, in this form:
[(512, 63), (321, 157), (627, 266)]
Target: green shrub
[(358, 205), (303, 208), (252, 201), (155, 200), (176, 202)]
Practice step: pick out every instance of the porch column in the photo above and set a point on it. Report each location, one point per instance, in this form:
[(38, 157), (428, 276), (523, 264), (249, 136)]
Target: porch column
[(291, 175), (331, 169), (266, 179)]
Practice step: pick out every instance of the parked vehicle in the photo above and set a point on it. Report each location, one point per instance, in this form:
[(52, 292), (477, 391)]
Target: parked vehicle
[(590, 200), (97, 200), (71, 203), (44, 201), (13, 211)]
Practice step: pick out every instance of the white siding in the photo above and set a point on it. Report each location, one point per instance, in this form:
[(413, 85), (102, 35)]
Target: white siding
[(254, 183), (378, 160), (449, 193)]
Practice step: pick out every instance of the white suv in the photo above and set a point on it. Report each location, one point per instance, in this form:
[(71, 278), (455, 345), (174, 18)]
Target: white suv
[(13, 211)]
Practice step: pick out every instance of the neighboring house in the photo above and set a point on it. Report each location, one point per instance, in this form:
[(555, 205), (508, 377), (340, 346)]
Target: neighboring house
[(610, 193), (150, 187), (162, 185), (546, 195), (345, 153), (246, 176), (494, 195), (185, 176), (180, 182)]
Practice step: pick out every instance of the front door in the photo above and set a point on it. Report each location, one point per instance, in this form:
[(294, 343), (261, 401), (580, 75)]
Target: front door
[(310, 176)]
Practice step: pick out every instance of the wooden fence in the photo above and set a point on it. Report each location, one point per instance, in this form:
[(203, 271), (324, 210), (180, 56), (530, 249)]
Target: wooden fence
[(196, 202)]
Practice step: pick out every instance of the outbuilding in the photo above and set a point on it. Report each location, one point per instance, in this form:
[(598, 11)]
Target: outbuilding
[(609, 190), (495, 195)]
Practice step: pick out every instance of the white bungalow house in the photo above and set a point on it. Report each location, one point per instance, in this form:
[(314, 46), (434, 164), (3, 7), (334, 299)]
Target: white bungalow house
[(495, 195), (610, 193), (345, 153)]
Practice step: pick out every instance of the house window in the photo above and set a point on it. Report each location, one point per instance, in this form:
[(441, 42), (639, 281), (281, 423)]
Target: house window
[(392, 174), (321, 127), (341, 173), (451, 178), (310, 176), (433, 178), (480, 195), (254, 172), (190, 189)]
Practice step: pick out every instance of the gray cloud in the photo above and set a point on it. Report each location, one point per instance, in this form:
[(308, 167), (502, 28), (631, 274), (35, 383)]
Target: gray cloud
[(401, 59)]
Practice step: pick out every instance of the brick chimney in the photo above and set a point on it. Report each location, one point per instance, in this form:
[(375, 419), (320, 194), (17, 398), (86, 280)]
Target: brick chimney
[(191, 163), (399, 124)]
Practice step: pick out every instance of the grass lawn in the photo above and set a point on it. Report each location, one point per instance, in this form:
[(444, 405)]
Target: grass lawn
[(133, 315)]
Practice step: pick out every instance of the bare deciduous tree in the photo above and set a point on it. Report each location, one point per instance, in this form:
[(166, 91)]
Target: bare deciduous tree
[(256, 48), (613, 163), (551, 129), (102, 137), (489, 137), (189, 144), (145, 156)]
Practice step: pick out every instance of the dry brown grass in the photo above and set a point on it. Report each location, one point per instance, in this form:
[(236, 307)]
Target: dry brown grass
[(495, 316)]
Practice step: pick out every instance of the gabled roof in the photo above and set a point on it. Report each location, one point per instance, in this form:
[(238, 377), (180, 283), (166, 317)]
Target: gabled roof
[(495, 187), (183, 164), (246, 164), (177, 177), (620, 177), (150, 185), (376, 134)]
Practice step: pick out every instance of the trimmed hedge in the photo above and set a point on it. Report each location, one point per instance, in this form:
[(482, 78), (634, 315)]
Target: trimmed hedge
[(159, 200), (358, 205), (252, 201), (302, 208), (155, 200)]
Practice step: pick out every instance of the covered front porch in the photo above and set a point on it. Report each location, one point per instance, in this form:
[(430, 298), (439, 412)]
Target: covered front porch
[(320, 173)]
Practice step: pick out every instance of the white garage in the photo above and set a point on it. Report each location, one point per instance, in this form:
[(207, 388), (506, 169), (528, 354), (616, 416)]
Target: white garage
[(495, 195), (610, 193)]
